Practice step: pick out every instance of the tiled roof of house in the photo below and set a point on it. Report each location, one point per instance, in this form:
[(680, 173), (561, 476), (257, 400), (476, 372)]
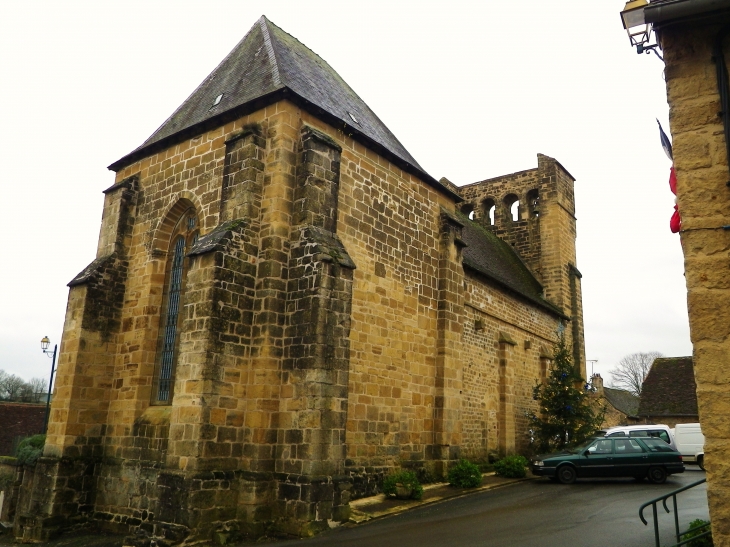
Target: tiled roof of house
[(669, 389), (490, 256), (266, 66), (622, 400)]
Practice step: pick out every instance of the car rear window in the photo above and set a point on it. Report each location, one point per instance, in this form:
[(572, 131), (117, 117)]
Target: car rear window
[(657, 445), (658, 433)]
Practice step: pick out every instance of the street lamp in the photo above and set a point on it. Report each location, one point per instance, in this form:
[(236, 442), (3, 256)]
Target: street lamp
[(636, 26), (45, 342)]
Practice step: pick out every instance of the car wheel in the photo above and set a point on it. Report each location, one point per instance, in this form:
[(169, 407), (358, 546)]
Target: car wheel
[(566, 474), (701, 462), (657, 475)]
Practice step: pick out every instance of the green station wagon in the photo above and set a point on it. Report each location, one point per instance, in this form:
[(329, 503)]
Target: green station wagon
[(612, 457)]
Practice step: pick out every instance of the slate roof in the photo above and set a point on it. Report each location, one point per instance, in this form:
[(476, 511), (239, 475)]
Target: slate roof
[(622, 400), (266, 66), (488, 255), (669, 389)]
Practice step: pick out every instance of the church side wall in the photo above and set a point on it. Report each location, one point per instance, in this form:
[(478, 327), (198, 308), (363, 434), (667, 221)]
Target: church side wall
[(389, 222), (495, 318), (544, 234)]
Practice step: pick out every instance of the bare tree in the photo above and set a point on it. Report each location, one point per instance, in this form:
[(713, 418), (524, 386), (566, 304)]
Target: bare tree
[(631, 370), (12, 387), (37, 388)]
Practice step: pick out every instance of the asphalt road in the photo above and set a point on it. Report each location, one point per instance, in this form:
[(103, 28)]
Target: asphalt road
[(591, 513)]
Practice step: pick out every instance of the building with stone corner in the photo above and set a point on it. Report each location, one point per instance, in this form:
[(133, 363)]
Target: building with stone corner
[(284, 306), (619, 407), (693, 36)]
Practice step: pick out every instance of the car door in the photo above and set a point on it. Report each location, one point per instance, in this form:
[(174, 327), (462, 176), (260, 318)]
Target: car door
[(597, 460), (629, 459)]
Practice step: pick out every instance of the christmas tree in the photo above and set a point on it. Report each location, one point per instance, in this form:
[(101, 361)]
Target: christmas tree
[(567, 416)]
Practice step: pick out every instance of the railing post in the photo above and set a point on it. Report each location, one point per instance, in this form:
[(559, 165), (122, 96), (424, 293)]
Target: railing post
[(676, 518), (664, 499)]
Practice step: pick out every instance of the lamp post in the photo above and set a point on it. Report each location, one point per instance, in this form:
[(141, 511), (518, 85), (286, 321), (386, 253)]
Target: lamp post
[(637, 28), (45, 342)]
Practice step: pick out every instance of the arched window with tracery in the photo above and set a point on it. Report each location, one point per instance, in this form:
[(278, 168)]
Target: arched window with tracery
[(183, 235)]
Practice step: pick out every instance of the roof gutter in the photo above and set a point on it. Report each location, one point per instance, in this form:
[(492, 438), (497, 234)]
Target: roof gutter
[(659, 14)]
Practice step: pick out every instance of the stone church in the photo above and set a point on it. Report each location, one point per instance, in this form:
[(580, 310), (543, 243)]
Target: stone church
[(284, 306)]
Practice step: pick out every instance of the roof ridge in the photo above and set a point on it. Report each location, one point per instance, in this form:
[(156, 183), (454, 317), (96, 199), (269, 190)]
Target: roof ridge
[(344, 83), (207, 79), (276, 73)]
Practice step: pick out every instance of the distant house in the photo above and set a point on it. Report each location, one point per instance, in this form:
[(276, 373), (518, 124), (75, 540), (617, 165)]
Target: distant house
[(621, 406), (669, 392)]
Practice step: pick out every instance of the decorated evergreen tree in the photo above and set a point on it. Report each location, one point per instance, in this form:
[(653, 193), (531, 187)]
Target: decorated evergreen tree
[(567, 416)]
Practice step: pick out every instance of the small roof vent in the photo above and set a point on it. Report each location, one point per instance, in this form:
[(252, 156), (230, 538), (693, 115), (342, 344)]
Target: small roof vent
[(354, 119), (218, 100)]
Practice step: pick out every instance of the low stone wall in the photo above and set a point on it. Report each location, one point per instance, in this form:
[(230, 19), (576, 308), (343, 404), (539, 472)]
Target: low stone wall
[(10, 476)]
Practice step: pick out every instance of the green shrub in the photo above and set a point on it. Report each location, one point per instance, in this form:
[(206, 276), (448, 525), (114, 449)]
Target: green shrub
[(465, 475), (30, 449), (512, 467), (403, 478), (697, 527)]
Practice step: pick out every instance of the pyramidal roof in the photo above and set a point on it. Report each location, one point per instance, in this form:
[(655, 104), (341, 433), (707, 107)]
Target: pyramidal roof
[(266, 66)]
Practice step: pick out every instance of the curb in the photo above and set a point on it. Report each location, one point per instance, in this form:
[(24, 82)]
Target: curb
[(359, 513)]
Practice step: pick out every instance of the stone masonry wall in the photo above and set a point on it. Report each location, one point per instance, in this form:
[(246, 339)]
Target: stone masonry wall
[(492, 318), (544, 234), (321, 338), (701, 164)]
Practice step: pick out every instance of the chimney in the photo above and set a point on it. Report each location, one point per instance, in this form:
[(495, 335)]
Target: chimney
[(597, 383)]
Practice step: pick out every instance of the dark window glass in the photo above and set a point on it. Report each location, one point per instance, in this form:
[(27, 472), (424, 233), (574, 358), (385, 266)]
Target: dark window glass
[(184, 235), (170, 321), (657, 445)]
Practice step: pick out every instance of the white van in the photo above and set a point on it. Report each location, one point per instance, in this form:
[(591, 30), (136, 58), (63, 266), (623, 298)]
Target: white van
[(690, 443), (661, 431)]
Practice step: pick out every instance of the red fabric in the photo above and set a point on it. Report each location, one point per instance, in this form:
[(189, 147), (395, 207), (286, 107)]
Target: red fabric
[(675, 223)]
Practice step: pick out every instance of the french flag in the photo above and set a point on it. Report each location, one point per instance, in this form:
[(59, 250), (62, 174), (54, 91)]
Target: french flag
[(675, 223)]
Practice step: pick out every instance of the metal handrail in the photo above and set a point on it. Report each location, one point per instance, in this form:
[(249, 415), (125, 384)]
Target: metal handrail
[(663, 499)]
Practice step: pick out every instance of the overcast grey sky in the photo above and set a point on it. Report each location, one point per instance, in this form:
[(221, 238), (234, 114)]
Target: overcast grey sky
[(472, 90)]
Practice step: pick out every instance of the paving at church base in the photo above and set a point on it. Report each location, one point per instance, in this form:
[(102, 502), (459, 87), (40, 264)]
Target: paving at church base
[(362, 510)]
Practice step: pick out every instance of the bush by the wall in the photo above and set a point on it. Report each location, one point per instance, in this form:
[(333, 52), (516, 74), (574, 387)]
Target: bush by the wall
[(465, 475), (512, 467), (696, 527), (30, 449), (407, 479)]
